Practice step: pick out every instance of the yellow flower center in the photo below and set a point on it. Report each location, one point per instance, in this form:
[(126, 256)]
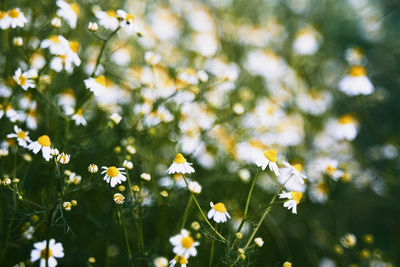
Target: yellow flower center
[(130, 17), (220, 207), (296, 196), (111, 13), (44, 140), (346, 119), (112, 172), (270, 155), (43, 253), (54, 39), (101, 80), (13, 13), (75, 7), (187, 242), (191, 71), (180, 259), (79, 112), (330, 170), (74, 46), (22, 80), (357, 71), (2, 14), (257, 144), (21, 135), (179, 158), (322, 188), (298, 167)]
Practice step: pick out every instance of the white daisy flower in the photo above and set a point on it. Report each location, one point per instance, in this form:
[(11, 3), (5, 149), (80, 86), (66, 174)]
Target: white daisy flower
[(74, 178), (145, 176), (116, 118), (152, 58), (180, 165), (218, 212), (23, 79), (160, 262), (93, 26), (78, 118), (119, 198), (268, 159), (127, 19), (43, 143), (69, 12), (22, 136), (108, 19), (56, 250), (344, 128), (292, 172), (178, 259), (17, 18), (4, 20), (293, 199), (259, 241), (93, 168), (97, 84), (356, 82), (67, 206), (184, 244), (63, 158), (188, 76), (113, 175), (56, 44), (306, 42), (195, 187), (348, 240)]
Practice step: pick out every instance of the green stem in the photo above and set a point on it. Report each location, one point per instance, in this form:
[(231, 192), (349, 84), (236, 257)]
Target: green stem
[(211, 252), (246, 210), (103, 46), (186, 213), (202, 213), (128, 247)]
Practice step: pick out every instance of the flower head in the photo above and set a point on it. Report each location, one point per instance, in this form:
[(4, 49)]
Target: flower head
[(356, 82), (23, 79), (22, 136), (178, 259), (180, 165), (113, 175), (108, 19), (218, 212), (184, 244), (269, 159), (63, 158), (293, 199), (93, 168), (43, 143), (69, 12), (16, 18), (119, 198), (55, 250)]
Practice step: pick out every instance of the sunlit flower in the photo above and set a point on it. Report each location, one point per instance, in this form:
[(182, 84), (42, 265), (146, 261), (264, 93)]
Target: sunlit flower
[(4, 20), (55, 250), (294, 199), (152, 58), (126, 18), (195, 187), (23, 79), (119, 198), (184, 244), (78, 118), (145, 176), (93, 168), (344, 128), (67, 206), (68, 11), (160, 262), (306, 42), (127, 164), (97, 84), (54, 152), (290, 172), (356, 82), (56, 44), (116, 118), (319, 192), (259, 241), (179, 259), (16, 18), (180, 165), (43, 143), (93, 26), (74, 178), (268, 159), (188, 76), (113, 175), (218, 212), (348, 241), (22, 136), (108, 19), (63, 158), (56, 22)]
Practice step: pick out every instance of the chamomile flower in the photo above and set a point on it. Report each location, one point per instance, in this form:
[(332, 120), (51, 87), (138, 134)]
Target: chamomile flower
[(93, 168), (344, 128), (218, 212), (348, 240), (78, 118), (108, 19), (184, 244), (195, 187), (4, 20), (160, 262), (74, 178), (22, 136), (113, 175), (16, 18), (259, 241), (63, 158), (180, 165), (306, 42), (56, 250), (290, 172), (69, 12), (268, 159), (152, 58), (127, 19), (56, 44), (293, 199), (119, 198), (23, 79), (43, 143), (97, 84), (356, 82), (178, 259)]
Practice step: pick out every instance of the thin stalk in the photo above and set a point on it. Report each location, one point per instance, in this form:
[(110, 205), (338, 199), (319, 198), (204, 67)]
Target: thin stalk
[(186, 213), (202, 213), (211, 253), (103, 46), (128, 247)]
